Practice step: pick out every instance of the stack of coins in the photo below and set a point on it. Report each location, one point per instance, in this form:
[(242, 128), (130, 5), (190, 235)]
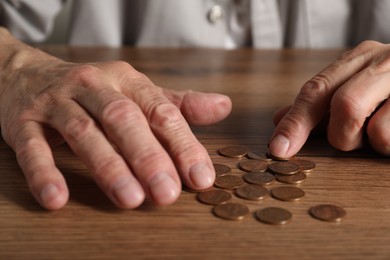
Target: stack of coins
[(260, 172)]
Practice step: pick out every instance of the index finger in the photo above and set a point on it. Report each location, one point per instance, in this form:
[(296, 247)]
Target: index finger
[(313, 100)]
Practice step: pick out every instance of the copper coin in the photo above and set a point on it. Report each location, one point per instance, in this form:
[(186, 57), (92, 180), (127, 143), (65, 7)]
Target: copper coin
[(231, 211), (287, 193), (234, 151), (328, 212), (251, 192), (221, 169), (185, 188), (274, 216), (286, 168), (254, 166), (291, 179), (306, 165), (259, 178), (276, 158), (214, 197), (229, 182), (256, 156)]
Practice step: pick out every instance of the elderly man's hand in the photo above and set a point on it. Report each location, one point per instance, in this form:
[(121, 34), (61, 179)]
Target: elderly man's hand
[(354, 91), (132, 135)]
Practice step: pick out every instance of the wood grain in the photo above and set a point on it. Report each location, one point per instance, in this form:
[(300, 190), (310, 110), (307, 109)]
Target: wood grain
[(258, 82)]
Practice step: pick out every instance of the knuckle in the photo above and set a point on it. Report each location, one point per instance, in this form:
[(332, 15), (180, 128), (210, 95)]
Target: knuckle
[(188, 152), (164, 116), (148, 162), (24, 148), (348, 55), (368, 45), (85, 74), (123, 66), (125, 72), (139, 82), (31, 165), (121, 111), (294, 123), (78, 127), (34, 176), (315, 88), (363, 50), (107, 171)]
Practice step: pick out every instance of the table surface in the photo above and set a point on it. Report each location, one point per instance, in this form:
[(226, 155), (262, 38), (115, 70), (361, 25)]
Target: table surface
[(258, 82)]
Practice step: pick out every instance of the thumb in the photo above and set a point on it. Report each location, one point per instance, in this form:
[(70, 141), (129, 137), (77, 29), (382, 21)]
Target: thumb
[(200, 108)]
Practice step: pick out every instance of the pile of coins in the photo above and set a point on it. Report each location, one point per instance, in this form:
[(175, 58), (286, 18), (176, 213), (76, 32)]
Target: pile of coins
[(260, 172)]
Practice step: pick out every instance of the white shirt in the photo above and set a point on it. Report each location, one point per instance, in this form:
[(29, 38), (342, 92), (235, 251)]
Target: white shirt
[(178, 23)]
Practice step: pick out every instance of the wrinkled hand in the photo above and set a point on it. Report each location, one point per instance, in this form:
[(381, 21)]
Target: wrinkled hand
[(354, 90), (132, 135)]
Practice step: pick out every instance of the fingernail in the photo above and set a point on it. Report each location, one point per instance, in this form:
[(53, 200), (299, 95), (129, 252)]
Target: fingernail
[(163, 189), (279, 146), (201, 176), (49, 194), (128, 195)]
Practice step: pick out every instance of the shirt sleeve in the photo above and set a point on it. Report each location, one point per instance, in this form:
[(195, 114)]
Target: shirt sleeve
[(29, 20)]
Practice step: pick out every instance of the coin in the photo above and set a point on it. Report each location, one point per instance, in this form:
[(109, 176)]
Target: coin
[(277, 158), (286, 168), (253, 166), (291, 179), (287, 193), (306, 165), (221, 169), (185, 188), (328, 212), (214, 197), (274, 216), (251, 192), (234, 151), (231, 211), (259, 178), (229, 182), (256, 156)]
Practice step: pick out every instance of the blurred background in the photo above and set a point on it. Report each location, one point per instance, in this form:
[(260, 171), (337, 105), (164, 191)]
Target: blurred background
[(61, 27)]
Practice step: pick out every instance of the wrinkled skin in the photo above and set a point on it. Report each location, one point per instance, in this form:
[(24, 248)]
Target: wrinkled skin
[(353, 91), (132, 135)]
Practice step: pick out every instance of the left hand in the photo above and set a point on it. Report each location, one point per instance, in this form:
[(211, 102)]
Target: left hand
[(354, 91)]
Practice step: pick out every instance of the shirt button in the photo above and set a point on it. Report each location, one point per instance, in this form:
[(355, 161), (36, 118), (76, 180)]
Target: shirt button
[(215, 14)]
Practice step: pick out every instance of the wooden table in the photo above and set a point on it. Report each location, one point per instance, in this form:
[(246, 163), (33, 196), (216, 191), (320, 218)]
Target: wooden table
[(258, 82)]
